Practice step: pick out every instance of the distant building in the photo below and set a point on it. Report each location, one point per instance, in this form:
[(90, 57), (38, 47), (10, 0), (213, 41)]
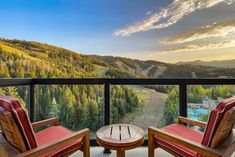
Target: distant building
[(207, 103)]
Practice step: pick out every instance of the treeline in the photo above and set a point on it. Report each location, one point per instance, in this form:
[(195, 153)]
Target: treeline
[(83, 106), (196, 93), (13, 65), (195, 71), (117, 73)]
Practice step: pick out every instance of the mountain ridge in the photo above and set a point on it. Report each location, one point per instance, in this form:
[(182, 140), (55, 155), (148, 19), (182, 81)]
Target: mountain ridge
[(43, 60), (221, 63)]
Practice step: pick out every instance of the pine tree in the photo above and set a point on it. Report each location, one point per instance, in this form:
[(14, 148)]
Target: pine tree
[(2, 92), (53, 108), (13, 92)]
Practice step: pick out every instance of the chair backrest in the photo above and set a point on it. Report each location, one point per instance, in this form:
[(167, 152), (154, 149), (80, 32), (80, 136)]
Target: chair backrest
[(10, 130), (217, 122), (224, 129), (14, 116)]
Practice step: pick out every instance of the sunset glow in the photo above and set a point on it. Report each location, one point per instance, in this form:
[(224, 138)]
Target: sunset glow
[(167, 31)]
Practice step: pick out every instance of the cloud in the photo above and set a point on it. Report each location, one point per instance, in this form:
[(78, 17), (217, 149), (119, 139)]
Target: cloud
[(149, 12), (202, 46), (215, 30), (170, 15)]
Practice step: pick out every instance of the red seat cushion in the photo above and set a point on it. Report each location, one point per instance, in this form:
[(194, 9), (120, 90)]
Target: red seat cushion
[(216, 116), (54, 133), (182, 131), (18, 113)]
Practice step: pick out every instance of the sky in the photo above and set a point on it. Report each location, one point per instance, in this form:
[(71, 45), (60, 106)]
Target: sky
[(163, 30)]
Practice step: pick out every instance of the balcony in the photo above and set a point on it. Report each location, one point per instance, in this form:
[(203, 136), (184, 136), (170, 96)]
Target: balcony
[(105, 85)]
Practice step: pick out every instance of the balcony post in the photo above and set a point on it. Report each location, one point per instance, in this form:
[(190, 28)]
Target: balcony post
[(106, 109), (183, 100), (31, 102), (107, 104)]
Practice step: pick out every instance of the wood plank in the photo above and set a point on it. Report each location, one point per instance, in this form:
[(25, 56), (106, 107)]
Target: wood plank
[(115, 133), (125, 132), (184, 120), (133, 132), (51, 121)]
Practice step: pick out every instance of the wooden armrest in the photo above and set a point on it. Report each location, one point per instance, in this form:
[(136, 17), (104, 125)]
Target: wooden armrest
[(209, 152), (183, 120), (51, 121), (85, 133)]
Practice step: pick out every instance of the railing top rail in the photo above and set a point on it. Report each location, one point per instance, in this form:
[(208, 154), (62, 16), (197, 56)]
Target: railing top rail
[(4, 82), (114, 81)]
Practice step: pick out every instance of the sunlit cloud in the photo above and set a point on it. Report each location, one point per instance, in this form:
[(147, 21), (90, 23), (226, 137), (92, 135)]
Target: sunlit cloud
[(170, 15), (214, 30), (202, 46)]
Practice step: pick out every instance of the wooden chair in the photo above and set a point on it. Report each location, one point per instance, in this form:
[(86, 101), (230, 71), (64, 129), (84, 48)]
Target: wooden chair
[(53, 141), (218, 139)]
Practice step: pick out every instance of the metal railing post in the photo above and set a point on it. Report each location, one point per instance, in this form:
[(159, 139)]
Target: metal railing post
[(107, 103), (107, 108), (31, 102), (183, 100)]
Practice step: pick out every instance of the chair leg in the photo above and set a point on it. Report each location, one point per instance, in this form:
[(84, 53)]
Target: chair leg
[(3, 152), (86, 146), (151, 144), (150, 152)]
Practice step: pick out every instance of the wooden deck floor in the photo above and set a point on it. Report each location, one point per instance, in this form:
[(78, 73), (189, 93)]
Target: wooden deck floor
[(138, 152)]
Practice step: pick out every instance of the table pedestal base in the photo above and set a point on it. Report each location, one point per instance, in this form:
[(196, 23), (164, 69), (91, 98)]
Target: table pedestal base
[(107, 151), (120, 153)]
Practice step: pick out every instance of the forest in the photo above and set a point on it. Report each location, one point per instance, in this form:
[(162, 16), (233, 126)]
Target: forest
[(76, 106)]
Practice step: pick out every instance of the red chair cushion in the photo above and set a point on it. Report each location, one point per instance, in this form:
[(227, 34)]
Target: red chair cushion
[(216, 116), (182, 131), (21, 118), (54, 133)]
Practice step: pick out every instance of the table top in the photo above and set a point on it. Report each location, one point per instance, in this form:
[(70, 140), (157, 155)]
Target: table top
[(120, 135)]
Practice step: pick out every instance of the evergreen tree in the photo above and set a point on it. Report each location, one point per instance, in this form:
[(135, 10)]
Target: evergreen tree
[(53, 108), (13, 92), (171, 107)]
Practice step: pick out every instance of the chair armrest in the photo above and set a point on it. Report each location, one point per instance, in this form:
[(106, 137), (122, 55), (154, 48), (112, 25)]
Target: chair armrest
[(51, 121), (85, 133), (209, 152), (183, 120)]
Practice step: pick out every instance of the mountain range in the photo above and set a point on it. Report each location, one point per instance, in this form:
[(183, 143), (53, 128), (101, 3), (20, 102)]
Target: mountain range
[(33, 59), (219, 64)]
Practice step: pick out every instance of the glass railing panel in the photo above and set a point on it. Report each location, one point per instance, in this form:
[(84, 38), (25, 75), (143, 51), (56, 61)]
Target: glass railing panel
[(144, 106), (76, 106), (203, 98)]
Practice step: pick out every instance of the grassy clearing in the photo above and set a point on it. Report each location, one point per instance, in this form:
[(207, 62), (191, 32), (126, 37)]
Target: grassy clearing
[(151, 112), (18, 52), (100, 70)]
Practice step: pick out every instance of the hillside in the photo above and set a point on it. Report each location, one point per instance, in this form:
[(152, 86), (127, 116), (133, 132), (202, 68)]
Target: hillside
[(33, 59), (218, 64), (76, 106)]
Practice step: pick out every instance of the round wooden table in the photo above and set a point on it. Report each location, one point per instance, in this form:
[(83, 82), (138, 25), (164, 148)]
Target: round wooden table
[(120, 137)]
